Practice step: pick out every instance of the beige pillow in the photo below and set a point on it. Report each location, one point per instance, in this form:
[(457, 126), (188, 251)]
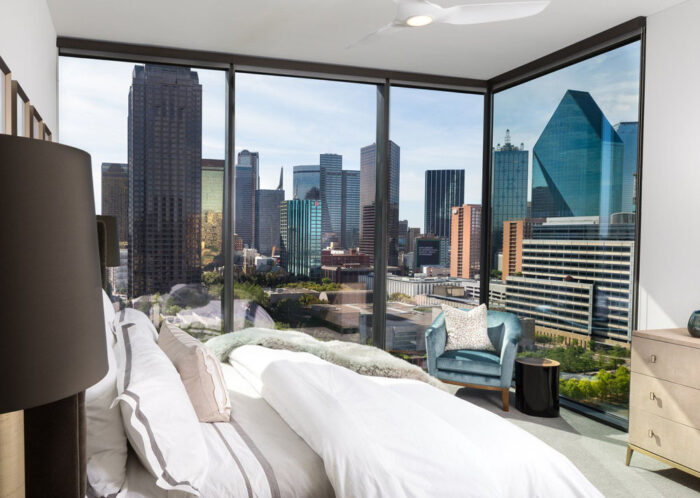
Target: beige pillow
[(467, 329), (200, 372)]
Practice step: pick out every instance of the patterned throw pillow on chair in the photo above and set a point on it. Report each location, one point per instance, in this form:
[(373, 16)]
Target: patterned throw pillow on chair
[(467, 329)]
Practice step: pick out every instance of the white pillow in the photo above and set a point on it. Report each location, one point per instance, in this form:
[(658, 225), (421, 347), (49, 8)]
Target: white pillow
[(159, 419), (467, 329), (200, 373), (105, 438), (131, 315)]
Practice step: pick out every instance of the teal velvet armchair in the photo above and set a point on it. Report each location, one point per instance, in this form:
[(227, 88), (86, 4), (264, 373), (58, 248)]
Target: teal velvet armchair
[(477, 369)]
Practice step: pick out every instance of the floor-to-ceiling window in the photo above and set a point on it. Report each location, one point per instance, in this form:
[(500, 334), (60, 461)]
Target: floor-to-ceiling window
[(156, 135), (433, 226), (563, 226), (299, 261)]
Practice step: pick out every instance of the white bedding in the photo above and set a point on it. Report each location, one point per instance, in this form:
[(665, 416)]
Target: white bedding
[(400, 438), (255, 455)]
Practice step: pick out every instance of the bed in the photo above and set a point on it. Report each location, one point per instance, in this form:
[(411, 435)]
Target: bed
[(265, 455), (301, 426)]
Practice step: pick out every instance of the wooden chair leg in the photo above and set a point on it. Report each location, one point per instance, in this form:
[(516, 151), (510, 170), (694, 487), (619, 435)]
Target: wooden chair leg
[(505, 396), (629, 456)]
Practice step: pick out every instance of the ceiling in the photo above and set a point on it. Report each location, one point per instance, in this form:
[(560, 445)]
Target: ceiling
[(320, 30)]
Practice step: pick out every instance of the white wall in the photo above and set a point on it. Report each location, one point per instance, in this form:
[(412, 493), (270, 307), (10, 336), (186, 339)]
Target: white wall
[(28, 46), (669, 280)]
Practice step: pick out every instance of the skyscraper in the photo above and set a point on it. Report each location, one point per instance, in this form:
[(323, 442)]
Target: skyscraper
[(307, 182), (165, 178), (444, 189), (300, 237), (267, 222), (368, 167), (350, 210), (577, 162), (514, 233), (331, 184), (628, 132), (465, 259), (403, 234), (510, 165), (246, 186), (213, 185), (115, 196)]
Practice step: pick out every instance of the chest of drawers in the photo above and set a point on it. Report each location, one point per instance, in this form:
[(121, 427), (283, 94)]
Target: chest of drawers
[(665, 398)]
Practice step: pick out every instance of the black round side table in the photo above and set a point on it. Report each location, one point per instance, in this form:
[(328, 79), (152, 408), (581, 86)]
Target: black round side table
[(537, 386)]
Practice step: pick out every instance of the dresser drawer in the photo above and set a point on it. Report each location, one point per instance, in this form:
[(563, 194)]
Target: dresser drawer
[(676, 442), (671, 362), (668, 400)]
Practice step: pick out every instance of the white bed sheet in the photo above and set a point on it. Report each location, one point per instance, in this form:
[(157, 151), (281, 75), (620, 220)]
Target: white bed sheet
[(401, 438), (269, 459)]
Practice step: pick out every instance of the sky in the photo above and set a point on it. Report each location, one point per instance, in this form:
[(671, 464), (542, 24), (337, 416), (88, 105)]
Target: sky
[(290, 121)]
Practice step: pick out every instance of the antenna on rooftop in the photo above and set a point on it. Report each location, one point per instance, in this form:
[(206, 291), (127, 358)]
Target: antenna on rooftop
[(507, 137)]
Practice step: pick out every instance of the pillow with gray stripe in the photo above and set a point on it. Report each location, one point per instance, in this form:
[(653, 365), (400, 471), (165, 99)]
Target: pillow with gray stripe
[(159, 419)]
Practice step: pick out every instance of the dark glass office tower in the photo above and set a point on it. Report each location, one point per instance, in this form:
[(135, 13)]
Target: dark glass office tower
[(509, 201), (331, 180), (577, 162), (368, 167), (165, 178), (300, 237), (246, 185), (267, 221), (115, 196), (628, 132), (350, 210), (306, 181), (444, 189)]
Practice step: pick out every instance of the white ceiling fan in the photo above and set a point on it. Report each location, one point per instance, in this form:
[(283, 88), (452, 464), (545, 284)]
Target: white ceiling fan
[(417, 13)]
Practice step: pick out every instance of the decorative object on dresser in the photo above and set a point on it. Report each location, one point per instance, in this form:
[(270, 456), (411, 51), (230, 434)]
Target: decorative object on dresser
[(664, 398), (694, 324), (537, 386), (53, 340)]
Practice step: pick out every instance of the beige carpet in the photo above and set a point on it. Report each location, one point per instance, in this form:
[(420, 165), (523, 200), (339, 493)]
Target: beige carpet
[(597, 450)]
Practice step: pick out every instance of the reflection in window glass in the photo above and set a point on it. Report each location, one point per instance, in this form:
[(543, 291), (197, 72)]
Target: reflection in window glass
[(299, 261), (563, 220), (434, 211), (156, 137)]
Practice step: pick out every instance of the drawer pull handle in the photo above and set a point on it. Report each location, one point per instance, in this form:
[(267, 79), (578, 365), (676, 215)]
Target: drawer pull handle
[(652, 396), (652, 358), (651, 433)]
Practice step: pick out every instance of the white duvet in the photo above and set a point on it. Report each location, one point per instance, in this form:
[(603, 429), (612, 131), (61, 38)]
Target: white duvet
[(401, 438)]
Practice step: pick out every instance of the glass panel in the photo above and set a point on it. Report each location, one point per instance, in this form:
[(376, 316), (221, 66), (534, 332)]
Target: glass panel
[(434, 212), (20, 116), (156, 135), (563, 226), (298, 261)]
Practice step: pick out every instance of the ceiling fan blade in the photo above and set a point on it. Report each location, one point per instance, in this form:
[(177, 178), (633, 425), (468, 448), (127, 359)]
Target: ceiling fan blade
[(388, 28), (491, 12)]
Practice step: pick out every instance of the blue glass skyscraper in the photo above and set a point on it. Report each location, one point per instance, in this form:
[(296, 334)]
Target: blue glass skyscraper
[(300, 237), (307, 182), (444, 189), (629, 132), (577, 162), (509, 198), (350, 223)]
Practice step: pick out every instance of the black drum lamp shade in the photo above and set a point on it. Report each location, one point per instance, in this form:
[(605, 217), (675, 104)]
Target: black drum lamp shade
[(52, 331)]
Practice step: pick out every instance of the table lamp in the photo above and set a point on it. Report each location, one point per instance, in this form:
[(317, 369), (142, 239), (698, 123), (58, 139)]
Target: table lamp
[(52, 338)]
